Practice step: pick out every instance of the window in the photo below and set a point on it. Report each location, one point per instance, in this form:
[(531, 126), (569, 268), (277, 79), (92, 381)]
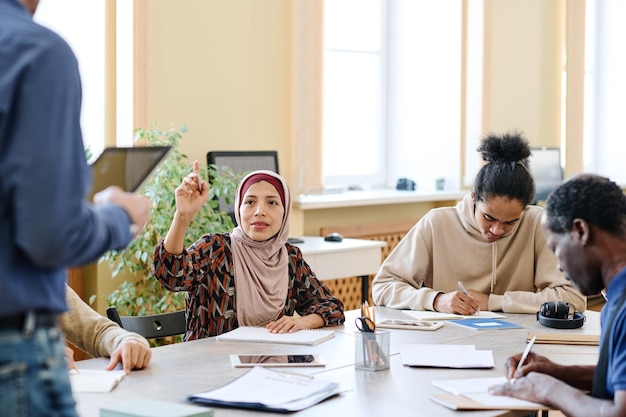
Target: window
[(353, 150), (392, 92), (83, 26), (605, 89)]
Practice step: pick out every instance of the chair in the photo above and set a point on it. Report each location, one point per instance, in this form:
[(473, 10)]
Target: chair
[(153, 325)]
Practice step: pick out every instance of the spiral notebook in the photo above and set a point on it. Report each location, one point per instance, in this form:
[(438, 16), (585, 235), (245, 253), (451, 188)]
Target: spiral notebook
[(261, 334)]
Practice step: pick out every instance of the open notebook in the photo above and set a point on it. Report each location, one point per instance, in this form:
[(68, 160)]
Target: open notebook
[(472, 394), (261, 334), (435, 315)]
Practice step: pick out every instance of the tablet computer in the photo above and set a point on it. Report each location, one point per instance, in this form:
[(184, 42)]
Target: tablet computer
[(247, 361), (127, 168)]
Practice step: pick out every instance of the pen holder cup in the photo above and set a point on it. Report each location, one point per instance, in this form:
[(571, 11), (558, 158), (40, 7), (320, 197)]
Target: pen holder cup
[(371, 350)]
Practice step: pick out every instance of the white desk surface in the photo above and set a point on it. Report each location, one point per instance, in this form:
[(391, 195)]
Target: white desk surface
[(315, 245), (373, 198), (348, 258), (177, 371)]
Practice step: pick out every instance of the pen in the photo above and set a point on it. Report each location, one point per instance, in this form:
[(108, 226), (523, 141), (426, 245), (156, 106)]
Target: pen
[(525, 355), (603, 292), (199, 183), (462, 288)]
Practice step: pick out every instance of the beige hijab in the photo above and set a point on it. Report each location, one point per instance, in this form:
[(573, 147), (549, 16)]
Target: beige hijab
[(261, 268)]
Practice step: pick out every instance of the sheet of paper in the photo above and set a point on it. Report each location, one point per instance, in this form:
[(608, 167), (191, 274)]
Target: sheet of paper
[(95, 380), (435, 315), (446, 356)]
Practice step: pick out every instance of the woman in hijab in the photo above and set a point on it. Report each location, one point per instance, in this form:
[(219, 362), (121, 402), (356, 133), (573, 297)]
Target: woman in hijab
[(248, 277)]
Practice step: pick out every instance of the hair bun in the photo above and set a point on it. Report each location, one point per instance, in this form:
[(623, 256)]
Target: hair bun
[(509, 147)]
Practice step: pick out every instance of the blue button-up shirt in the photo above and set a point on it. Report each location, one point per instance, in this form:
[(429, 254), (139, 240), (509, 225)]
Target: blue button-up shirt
[(46, 224)]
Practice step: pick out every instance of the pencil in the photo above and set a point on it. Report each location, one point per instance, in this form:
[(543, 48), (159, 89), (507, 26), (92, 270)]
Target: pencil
[(462, 287), (525, 355)]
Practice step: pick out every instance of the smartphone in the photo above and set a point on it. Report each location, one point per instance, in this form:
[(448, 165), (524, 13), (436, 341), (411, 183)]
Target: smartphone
[(244, 361)]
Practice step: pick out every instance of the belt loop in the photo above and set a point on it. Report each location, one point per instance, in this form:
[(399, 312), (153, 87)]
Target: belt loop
[(29, 323)]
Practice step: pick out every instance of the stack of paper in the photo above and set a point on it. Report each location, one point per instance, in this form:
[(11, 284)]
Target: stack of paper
[(446, 356), (270, 390), (472, 394), (566, 338)]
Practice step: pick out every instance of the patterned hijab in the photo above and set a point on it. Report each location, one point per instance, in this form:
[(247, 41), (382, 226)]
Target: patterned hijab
[(261, 268)]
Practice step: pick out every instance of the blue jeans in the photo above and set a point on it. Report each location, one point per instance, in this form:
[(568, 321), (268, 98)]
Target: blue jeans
[(34, 379)]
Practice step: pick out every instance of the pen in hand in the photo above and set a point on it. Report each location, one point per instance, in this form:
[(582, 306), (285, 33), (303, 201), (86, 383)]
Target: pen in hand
[(464, 291), (524, 356), (199, 183)]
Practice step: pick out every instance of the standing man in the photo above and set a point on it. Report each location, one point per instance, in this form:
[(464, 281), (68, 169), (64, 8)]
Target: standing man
[(585, 225), (46, 224)]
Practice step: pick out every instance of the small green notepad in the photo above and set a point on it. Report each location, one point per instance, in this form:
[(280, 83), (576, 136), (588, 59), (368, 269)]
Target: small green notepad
[(154, 408)]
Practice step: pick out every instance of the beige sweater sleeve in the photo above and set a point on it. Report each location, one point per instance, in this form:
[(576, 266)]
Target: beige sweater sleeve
[(91, 332)]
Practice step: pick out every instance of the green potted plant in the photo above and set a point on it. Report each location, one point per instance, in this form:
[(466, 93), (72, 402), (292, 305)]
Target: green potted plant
[(145, 295)]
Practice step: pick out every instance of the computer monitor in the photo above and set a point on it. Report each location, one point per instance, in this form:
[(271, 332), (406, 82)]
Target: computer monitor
[(545, 166), (242, 162)]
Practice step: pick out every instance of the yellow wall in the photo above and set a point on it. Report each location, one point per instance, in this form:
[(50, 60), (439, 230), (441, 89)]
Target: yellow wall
[(523, 66), (223, 69)]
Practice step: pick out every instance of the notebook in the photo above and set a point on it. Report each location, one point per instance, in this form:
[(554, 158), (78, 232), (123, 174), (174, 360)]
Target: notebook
[(154, 408), (436, 315), (566, 338), (472, 394), (95, 380), (485, 324), (409, 324), (127, 168), (261, 334)]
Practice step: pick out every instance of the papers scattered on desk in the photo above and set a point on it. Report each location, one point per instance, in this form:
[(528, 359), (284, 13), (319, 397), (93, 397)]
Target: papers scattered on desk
[(435, 315), (261, 334), (446, 356), (472, 394), (564, 338), (154, 408), (485, 324), (95, 380), (270, 390)]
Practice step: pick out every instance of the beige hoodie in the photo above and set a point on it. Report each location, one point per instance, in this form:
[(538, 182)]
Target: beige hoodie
[(91, 332), (518, 271)]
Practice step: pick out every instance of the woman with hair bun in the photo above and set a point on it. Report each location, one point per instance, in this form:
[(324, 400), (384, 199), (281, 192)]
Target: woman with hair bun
[(487, 253)]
